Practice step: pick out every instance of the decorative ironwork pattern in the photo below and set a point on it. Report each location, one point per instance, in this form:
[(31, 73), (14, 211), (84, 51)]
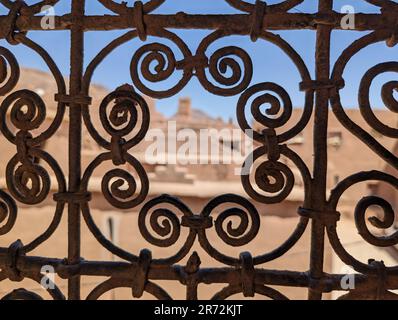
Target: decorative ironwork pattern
[(119, 117)]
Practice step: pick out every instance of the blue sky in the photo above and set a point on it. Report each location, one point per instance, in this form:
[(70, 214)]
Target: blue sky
[(270, 64)]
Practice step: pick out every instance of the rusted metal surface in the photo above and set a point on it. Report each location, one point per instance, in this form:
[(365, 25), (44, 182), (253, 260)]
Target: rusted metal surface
[(241, 273)]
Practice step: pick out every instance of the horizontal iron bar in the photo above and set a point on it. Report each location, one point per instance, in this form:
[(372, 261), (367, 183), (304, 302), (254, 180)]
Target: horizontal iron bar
[(31, 266), (240, 23)]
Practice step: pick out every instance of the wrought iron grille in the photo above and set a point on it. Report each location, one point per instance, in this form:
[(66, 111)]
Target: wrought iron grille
[(242, 273)]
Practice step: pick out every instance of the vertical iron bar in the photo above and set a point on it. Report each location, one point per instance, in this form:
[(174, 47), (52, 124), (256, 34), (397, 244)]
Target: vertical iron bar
[(75, 136), (319, 189)]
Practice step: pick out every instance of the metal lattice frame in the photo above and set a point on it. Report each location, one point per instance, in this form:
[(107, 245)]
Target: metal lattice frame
[(241, 273)]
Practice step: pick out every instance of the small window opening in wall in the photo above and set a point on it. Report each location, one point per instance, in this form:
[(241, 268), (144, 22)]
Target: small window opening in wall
[(297, 140), (111, 231), (234, 145), (373, 188), (111, 228), (335, 139)]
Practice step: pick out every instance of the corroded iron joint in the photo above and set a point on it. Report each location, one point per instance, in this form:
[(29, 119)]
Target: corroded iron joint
[(117, 150), (193, 264), (72, 197), (323, 84), (381, 269), (197, 222), (193, 62), (327, 218), (320, 285), (140, 278), (21, 141), (247, 274), (9, 30), (76, 99), (66, 270), (325, 18), (14, 251), (138, 15), (189, 275), (390, 15), (259, 11), (271, 142)]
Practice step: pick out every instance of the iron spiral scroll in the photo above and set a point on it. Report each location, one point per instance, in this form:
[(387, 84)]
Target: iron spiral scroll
[(166, 221)]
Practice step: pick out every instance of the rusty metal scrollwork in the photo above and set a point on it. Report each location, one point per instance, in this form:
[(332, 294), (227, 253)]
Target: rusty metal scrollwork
[(8, 212), (360, 219), (387, 92), (29, 9), (33, 175), (166, 65), (123, 115), (27, 180), (121, 8), (387, 219), (8, 81)]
